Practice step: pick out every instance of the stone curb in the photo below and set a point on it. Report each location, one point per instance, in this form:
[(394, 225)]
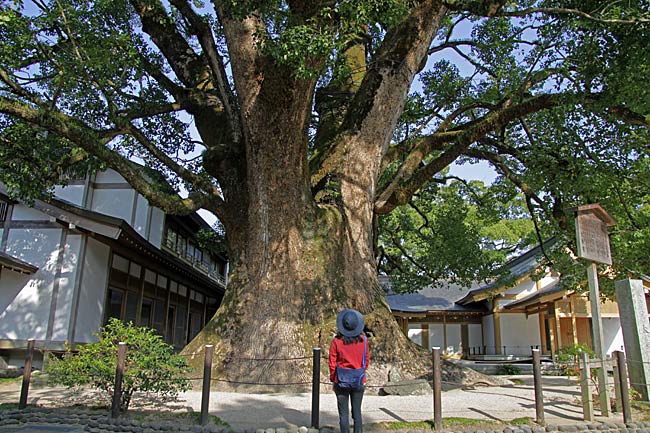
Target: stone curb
[(101, 423)]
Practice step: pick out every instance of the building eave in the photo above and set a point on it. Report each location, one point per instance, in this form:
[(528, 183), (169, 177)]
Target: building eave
[(16, 265)]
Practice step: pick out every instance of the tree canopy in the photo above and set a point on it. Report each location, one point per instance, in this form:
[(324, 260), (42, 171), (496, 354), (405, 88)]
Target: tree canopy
[(381, 96)]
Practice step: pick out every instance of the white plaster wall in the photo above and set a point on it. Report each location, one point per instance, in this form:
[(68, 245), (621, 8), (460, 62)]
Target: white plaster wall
[(114, 202), (475, 334), (453, 338), (488, 332), (69, 269), (92, 294), (140, 222), (28, 314), (518, 333), (24, 213), (415, 333), (157, 223), (548, 280), (612, 335), (11, 284), (436, 336), (524, 288), (71, 193)]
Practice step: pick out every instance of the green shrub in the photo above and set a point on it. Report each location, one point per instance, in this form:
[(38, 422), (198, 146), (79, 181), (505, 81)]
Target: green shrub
[(508, 369), (150, 364), (569, 358)]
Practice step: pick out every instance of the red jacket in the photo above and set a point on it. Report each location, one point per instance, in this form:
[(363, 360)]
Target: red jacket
[(347, 356)]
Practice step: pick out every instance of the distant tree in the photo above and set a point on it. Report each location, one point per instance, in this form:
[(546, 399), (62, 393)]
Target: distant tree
[(305, 131), (459, 233), (150, 366)]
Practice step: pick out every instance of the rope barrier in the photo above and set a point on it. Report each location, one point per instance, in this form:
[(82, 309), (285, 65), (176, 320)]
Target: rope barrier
[(629, 361), (262, 383), (270, 359), (303, 381)]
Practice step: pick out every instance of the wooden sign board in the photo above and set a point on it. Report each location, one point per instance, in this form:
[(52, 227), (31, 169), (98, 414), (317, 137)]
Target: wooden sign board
[(592, 237)]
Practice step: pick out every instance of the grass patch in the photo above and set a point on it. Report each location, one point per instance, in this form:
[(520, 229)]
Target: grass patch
[(640, 410), (517, 381), (8, 406), (188, 418), (4, 380), (451, 423)]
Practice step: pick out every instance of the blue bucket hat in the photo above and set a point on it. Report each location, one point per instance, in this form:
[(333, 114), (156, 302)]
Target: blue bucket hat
[(350, 323)]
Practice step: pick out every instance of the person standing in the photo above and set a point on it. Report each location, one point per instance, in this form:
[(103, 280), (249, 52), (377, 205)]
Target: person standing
[(348, 360)]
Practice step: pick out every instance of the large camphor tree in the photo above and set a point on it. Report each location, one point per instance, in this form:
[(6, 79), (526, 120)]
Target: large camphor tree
[(300, 124)]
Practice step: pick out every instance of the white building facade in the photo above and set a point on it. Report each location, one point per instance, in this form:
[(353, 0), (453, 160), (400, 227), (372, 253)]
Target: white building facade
[(95, 251)]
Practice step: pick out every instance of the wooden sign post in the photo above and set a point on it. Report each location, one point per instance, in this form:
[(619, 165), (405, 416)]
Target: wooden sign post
[(592, 239)]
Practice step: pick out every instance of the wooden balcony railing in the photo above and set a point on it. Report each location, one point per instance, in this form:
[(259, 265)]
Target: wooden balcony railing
[(194, 262)]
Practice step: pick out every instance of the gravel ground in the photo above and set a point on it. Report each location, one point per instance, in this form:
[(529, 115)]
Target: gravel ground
[(248, 412)]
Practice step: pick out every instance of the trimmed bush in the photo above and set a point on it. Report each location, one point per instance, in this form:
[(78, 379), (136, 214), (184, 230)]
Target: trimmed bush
[(508, 369), (150, 364)]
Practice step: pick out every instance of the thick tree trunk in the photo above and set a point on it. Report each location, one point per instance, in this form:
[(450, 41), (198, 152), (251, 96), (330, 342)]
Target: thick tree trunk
[(285, 303), (293, 269), (295, 261), (294, 266)]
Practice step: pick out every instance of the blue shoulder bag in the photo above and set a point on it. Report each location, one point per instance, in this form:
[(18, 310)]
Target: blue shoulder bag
[(352, 378)]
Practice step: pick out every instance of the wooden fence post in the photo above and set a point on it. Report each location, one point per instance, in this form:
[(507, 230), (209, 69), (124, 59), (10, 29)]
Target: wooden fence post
[(315, 388), (119, 372), (539, 396), (27, 374), (585, 377), (625, 390), (207, 375), (618, 406), (437, 389)]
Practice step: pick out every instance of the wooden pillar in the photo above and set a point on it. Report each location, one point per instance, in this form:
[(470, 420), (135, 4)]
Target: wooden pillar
[(542, 332), (444, 332), (187, 317), (138, 308), (464, 338), (497, 328), (558, 330), (574, 321), (426, 342), (166, 337)]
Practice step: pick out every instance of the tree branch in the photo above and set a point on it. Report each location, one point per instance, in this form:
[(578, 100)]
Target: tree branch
[(410, 178), (576, 12), (492, 8), (383, 91), (182, 172), (203, 32), (186, 64), (90, 141), (626, 114)]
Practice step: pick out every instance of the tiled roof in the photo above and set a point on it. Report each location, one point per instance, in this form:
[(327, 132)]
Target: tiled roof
[(518, 267), (532, 298), (16, 265), (429, 299)]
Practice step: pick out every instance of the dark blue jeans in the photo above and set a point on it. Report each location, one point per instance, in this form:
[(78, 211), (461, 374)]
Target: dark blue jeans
[(343, 396)]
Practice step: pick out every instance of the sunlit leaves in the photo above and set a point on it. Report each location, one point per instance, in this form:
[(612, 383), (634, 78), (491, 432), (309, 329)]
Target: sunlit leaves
[(460, 233)]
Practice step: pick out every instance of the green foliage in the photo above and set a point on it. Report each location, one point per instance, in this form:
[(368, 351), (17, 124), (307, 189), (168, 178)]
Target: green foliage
[(569, 358), (150, 365), (459, 233), (213, 239), (98, 63), (508, 369), (573, 353)]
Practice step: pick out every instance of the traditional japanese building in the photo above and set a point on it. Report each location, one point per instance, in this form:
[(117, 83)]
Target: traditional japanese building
[(99, 250)]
